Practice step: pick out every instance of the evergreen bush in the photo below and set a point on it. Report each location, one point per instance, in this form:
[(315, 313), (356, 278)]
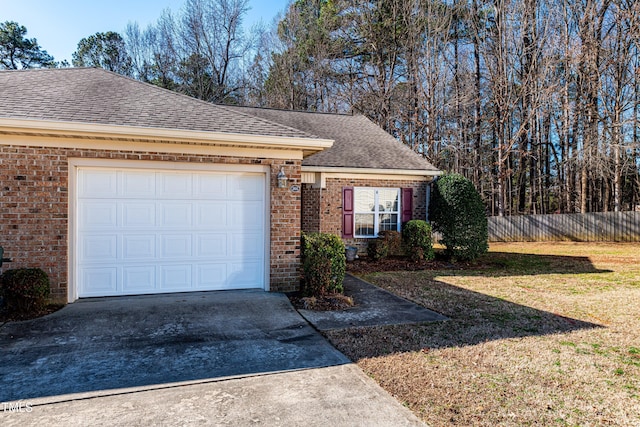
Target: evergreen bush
[(323, 264), (458, 213), (416, 236), (25, 290), (377, 248), (394, 242)]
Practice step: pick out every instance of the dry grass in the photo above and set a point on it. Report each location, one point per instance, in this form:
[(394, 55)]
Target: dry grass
[(540, 334)]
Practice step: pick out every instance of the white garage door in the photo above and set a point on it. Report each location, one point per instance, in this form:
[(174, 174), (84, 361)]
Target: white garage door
[(150, 231)]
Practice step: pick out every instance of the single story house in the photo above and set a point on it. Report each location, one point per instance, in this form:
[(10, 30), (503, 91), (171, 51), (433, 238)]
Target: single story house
[(117, 187)]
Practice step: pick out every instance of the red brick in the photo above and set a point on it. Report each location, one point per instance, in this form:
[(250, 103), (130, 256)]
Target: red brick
[(34, 230)]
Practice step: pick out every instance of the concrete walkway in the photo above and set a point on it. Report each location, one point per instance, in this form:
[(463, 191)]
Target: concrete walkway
[(213, 358), (374, 307), (333, 396)]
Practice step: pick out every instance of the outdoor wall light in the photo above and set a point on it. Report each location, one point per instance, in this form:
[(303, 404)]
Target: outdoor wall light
[(282, 179)]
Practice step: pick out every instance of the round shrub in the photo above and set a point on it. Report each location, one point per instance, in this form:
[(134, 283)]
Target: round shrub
[(25, 290), (377, 249), (457, 212), (416, 236), (323, 264), (394, 242)]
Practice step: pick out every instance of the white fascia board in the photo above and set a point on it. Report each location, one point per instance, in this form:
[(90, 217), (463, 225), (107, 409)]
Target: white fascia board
[(90, 130), (368, 171)]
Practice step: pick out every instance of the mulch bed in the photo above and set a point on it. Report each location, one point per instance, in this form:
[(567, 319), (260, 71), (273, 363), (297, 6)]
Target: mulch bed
[(326, 303), (7, 316), (366, 265)]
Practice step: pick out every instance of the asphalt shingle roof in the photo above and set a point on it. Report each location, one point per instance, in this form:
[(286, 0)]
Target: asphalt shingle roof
[(96, 96), (359, 143)]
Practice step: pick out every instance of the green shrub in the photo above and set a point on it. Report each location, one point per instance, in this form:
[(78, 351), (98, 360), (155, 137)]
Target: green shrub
[(394, 242), (25, 290), (378, 248), (416, 235), (457, 212), (323, 264)]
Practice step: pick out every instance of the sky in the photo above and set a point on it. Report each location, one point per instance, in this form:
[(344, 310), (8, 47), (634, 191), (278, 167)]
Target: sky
[(59, 25)]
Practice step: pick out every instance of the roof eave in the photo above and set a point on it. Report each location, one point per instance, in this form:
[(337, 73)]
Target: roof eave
[(372, 171), (102, 131)]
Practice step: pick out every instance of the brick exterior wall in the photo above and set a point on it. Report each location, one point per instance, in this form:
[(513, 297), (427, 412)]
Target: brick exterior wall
[(329, 201), (34, 209), (286, 208), (310, 208)]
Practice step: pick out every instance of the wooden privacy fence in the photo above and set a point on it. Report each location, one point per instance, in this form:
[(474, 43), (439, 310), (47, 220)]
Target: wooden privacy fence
[(589, 227)]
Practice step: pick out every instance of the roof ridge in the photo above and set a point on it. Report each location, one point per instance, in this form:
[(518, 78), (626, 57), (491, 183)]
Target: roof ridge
[(53, 69), (226, 107), (293, 111)]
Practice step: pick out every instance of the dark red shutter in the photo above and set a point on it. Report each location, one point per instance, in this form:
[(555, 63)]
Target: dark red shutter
[(347, 212), (407, 204)]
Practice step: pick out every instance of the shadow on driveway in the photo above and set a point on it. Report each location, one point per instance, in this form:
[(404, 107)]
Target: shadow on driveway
[(112, 343)]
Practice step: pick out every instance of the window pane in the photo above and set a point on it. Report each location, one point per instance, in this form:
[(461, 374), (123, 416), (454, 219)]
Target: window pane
[(364, 225), (364, 198), (388, 199), (388, 222)]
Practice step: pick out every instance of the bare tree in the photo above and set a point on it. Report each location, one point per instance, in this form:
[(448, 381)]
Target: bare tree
[(536, 101)]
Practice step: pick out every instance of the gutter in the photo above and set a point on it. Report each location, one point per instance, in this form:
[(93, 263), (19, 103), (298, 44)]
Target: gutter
[(371, 171), (102, 131)]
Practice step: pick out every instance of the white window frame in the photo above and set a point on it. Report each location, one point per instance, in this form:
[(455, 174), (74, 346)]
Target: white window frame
[(376, 212)]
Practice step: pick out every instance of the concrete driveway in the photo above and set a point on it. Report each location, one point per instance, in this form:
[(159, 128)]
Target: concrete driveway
[(220, 358)]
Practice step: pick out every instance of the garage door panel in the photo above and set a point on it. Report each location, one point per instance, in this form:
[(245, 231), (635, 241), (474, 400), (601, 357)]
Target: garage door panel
[(211, 215), (175, 214), (138, 215), (210, 187), (99, 248), (175, 246), (138, 184), (98, 184), (175, 278), (151, 231), (244, 273), (98, 215), (245, 187), (246, 215), (211, 246), (139, 247), (99, 281), (175, 186), (247, 246), (211, 276), (139, 279)]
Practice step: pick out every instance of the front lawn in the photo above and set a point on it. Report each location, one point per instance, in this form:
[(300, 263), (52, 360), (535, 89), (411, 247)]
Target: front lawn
[(540, 334)]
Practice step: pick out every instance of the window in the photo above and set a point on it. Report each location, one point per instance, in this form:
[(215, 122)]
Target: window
[(376, 210), (367, 211)]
